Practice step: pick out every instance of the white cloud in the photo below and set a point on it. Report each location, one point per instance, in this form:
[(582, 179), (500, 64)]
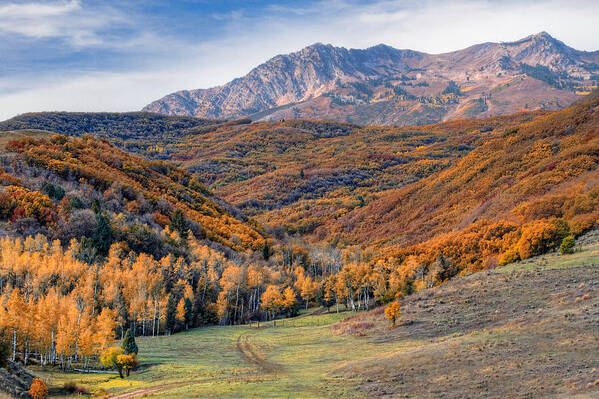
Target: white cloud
[(37, 10), (441, 26), (105, 91), (173, 64), (65, 20)]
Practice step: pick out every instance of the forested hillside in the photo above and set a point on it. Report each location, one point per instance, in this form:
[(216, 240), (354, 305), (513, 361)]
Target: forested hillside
[(294, 174), (96, 241), (134, 131), (353, 217), (518, 195)]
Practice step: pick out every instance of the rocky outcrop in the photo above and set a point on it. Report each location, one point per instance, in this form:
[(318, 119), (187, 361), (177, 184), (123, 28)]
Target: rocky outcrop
[(384, 85), (15, 380)]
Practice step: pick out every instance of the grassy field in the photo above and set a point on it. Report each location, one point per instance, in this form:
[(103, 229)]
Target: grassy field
[(291, 360), (527, 330), (524, 330)]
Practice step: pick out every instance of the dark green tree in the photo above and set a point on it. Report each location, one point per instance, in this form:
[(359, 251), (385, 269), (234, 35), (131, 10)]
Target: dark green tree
[(188, 306), (266, 251), (129, 346), (103, 236), (567, 245), (171, 313), (52, 191), (96, 206), (75, 203), (179, 224), (360, 200), (4, 352)]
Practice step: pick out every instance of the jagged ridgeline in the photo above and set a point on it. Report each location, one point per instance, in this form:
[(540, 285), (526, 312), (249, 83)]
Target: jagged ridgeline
[(382, 85)]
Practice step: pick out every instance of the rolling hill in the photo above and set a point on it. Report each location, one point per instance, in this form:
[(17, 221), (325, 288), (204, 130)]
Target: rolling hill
[(538, 169), (133, 131), (382, 85), (46, 175), (291, 174), (476, 191)]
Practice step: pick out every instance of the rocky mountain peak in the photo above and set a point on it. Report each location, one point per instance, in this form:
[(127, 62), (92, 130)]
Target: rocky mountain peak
[(322, 81)]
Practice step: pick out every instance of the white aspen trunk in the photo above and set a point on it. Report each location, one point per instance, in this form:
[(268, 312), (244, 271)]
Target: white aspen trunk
[(14, 344), (236, 302), (53, 350), (77, 335), (154, 319), (26, 354)]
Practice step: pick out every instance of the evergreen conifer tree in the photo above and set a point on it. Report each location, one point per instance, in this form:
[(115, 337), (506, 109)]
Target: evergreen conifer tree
[(179, 224), (103, 236), (129, 346), (171, 314), (188, 306)]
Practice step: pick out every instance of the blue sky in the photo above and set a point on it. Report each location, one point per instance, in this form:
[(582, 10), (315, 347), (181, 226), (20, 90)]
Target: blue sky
[(116, 55)]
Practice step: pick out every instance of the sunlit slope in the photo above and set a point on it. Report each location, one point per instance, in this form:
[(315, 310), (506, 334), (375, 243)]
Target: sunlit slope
[(527, 329)]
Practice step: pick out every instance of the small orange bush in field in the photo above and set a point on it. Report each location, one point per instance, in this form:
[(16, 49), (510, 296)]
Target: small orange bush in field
[(392, 312), (38, 389)]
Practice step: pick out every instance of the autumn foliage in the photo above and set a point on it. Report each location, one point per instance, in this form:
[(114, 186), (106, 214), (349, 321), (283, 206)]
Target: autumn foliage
[(145, 187), (99, 242), (392, 312), (38, 389)]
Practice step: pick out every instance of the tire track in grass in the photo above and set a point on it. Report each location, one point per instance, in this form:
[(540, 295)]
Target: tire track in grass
[(248, 353), (245, 349)]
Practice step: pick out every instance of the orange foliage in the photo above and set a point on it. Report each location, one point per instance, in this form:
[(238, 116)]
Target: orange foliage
[(38, 389), (392, 312), (102, 165)]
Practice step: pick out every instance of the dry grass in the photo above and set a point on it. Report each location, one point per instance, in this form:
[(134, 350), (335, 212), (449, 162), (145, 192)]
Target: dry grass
[(517, 334)]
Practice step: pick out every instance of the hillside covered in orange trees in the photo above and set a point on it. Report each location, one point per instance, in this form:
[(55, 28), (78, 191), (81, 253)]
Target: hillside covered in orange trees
[(545, 168), (293, 175), (97, 240), (119, 181)]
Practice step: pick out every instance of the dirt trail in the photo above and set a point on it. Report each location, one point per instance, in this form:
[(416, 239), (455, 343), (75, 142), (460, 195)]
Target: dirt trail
[(151, 390), (146, 391), (248, 353)]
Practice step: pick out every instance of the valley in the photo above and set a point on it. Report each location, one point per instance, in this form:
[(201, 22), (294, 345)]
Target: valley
[(519, 330), (196, 202)]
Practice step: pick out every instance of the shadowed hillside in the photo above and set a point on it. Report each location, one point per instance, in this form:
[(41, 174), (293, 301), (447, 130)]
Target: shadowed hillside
[(134, 131)]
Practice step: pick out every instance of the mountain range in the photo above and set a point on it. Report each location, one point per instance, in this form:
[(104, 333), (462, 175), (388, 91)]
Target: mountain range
[(382, 85)]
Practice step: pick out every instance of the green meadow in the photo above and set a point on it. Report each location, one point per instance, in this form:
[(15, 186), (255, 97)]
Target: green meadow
[(291, 360), (304, 357)]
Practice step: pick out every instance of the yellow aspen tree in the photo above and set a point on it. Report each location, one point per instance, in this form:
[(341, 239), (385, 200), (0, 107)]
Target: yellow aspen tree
[(181, 311), (104, 328)]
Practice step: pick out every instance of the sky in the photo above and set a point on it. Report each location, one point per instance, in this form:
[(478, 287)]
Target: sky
[(115, 55)]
